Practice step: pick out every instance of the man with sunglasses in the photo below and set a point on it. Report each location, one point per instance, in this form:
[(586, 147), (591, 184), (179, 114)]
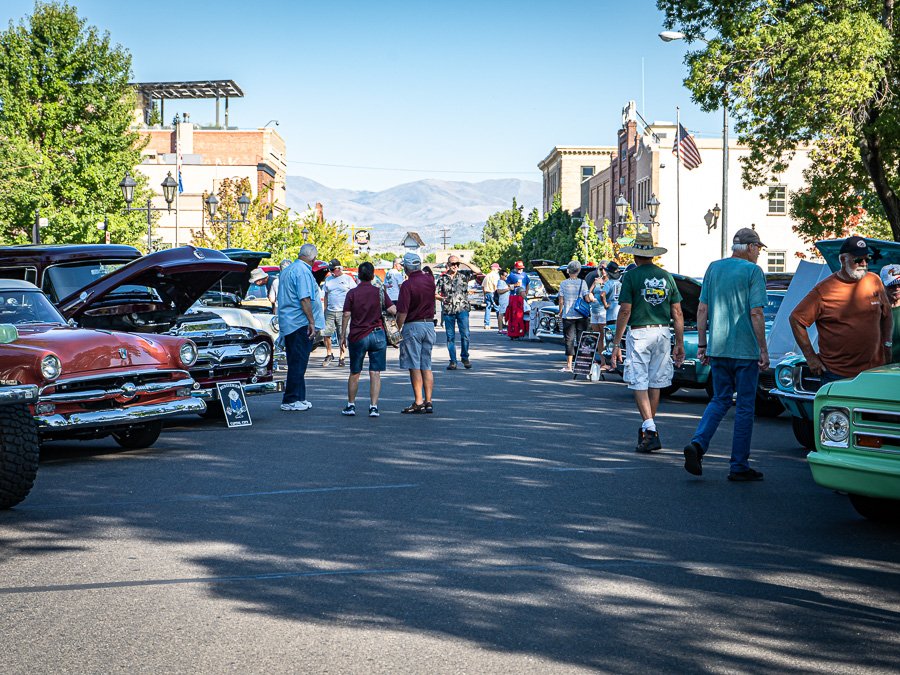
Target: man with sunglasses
[(852, 315), (453, 292)]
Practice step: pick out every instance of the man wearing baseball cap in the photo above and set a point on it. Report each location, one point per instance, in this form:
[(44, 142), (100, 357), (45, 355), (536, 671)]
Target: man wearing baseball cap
[(890, 277), (415, 318), (852, 315), (517, 278), (731, 303)]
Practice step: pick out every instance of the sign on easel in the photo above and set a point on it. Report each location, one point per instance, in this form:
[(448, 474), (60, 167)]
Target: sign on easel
[(588, 345), (234, 403)]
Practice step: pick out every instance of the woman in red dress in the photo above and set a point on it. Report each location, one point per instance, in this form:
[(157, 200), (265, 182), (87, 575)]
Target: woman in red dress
[(515, 315)]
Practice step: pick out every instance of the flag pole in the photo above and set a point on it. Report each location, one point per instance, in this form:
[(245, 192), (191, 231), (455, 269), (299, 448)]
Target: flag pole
[(177, 173), (678, 190)]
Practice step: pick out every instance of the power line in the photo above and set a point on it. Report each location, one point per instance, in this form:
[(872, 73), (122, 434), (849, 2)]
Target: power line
[(387, 168)]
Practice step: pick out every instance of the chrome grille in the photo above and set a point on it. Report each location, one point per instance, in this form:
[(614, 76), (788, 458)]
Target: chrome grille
[(805, 380)]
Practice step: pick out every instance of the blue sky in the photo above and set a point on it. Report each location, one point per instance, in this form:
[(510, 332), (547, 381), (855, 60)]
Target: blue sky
[(454, 91)]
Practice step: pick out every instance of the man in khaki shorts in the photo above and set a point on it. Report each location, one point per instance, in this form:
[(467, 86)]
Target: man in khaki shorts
[(649, 303), (415, 318)]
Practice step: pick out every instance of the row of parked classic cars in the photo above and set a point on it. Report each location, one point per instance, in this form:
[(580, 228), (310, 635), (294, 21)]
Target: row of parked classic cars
[(851, 427), (98, 340)]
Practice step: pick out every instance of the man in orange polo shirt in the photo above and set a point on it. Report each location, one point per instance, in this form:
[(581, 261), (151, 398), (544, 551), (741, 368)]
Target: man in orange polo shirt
[(852, 314)]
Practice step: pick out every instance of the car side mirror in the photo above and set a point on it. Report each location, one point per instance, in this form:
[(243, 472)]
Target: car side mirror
[(8, 333), (72, 323)]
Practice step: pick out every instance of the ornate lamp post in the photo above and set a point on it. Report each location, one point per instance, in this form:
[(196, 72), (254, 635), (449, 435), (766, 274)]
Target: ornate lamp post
[(305, 233), (212, 205), (169, 185)]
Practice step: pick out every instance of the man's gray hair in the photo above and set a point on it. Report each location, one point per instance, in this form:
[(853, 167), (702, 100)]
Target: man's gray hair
[(573, 267), (398, 261), (308, 251), (740, 248)]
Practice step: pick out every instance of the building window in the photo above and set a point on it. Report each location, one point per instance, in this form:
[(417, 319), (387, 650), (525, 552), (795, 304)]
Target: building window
[(586, 172), (776, 261), (777, 200)]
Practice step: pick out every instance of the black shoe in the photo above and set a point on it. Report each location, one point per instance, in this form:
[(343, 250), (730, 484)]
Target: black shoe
[(429, 408), (746, 476), (327, 360), (341, 363), (467, 363), (349, 410), (452, 366), (649, 442), (414, 409), (693, 459)]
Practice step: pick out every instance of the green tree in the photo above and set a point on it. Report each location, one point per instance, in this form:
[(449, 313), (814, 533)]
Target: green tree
[(65, 139), (821, 72), (502, 237)]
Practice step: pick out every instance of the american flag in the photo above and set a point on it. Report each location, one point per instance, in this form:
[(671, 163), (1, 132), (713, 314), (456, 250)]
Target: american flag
[(690, 155)]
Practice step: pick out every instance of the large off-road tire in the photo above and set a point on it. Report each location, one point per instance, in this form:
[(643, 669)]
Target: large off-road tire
[(875, 508), (19, 454), (768, 406), (804, 432), (139, 437)]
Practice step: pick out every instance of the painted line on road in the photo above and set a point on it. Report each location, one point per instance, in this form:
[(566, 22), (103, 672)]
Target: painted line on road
[(386, 571), (211, 498)]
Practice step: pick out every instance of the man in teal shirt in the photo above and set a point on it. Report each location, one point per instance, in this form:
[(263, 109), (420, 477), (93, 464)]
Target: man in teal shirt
[(732, 301), (300, 316)]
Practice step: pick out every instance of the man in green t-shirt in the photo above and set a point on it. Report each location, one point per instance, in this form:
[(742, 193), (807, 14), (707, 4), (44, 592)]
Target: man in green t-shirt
[(649, 304), (890, 277)]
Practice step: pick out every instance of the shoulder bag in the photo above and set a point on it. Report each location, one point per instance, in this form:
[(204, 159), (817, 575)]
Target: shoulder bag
[(581, 306), (391, 332)]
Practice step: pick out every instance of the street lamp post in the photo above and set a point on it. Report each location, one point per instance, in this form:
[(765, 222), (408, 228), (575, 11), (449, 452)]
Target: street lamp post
[(305, 233), (212, 205), (585, 228), (670, 36), (169, 185)]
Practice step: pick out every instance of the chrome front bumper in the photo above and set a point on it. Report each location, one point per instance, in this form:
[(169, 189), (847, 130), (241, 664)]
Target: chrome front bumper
[(119, 416), (19, 393), (255, 389), (793, 395)]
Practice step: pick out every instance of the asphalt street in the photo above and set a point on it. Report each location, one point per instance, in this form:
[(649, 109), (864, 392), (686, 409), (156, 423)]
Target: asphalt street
[(515, 530)]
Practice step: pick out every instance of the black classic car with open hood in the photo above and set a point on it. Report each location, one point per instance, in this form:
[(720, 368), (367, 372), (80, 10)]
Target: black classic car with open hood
[(115, 288)]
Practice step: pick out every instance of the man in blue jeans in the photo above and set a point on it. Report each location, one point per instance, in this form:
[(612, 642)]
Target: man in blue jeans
[(732, 301), (453, 292), (300, 316)]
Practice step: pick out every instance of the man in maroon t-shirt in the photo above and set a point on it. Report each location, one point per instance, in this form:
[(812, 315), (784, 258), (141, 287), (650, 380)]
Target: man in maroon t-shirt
[(415, 317), (362, 311)]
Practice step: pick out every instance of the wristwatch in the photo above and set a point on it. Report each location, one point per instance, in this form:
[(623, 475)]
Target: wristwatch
[(888, 344)]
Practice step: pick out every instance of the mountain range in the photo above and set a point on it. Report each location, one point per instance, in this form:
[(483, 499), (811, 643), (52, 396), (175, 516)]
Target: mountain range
[(424, 206)]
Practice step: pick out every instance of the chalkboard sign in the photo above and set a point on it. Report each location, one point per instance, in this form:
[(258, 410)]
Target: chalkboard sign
[(584, 356), (234, 403)]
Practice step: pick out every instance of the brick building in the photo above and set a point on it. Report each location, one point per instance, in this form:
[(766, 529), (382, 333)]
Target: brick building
[(208, 155), (566, 169)]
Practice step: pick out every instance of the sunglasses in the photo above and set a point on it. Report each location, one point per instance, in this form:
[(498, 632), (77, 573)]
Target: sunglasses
[(860, 261), (453, 264)]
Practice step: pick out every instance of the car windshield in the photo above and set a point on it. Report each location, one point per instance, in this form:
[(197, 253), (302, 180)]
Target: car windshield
[(61, 281), (256, 292), (22, 307), (773, 302)]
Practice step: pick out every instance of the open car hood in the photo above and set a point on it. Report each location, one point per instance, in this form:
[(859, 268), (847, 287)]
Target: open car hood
[(238, 283), (552, 277), (179, 276), (690, 297), (883, 253)]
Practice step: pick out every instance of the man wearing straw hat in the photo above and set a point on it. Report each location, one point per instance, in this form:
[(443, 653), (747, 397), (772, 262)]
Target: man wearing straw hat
[(649, 304)]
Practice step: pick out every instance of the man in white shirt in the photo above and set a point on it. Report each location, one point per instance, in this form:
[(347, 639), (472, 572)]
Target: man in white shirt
[(336, 287), (393, 278)]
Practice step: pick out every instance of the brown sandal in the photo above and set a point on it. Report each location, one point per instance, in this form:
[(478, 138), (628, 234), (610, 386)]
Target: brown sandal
[(414, 409)]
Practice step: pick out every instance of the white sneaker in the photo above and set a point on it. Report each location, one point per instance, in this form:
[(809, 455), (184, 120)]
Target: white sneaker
[(296, 405), (349, 410)]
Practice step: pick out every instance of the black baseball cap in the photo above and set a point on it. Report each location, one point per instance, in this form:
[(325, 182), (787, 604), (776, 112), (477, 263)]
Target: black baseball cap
[(335, 263), (856, 245)]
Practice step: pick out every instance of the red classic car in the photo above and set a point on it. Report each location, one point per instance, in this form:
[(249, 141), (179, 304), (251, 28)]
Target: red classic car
[(93, 383), (115, 288)]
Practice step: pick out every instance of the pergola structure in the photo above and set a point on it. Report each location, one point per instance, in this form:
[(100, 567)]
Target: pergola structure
[(163, 91)]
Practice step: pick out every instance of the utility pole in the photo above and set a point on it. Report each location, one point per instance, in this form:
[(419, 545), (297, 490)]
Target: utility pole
[(445, 238)]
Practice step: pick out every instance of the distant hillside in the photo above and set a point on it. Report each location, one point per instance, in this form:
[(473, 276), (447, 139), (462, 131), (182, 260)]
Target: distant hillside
[(424, 206)]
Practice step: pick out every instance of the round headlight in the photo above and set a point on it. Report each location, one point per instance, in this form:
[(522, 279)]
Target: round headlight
[(274, 324), (188, 353), (786, 378), (261, 354), (545, 323), (836, 426), (50, 367)]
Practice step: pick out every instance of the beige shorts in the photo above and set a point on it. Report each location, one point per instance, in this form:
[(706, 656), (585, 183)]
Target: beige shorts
[(333, 320), (648, 358)]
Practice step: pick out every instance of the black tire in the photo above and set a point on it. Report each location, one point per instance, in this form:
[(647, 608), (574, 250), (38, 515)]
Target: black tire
[(665, 392), (876, 508), (768, 406), (214, 411), (139, 437), (804, 432), (19, 454)]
